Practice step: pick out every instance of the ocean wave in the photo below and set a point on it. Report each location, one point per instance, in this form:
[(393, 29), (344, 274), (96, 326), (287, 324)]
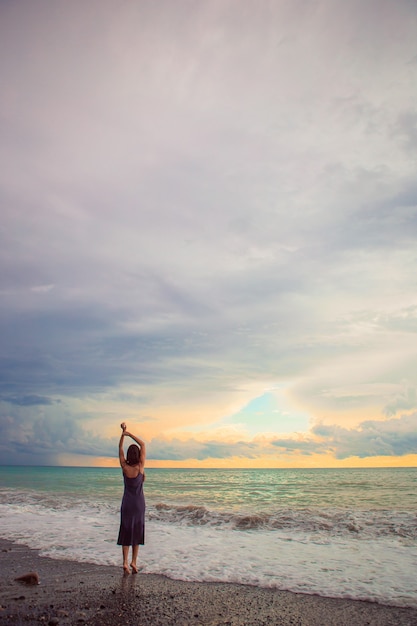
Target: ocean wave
[(362, 523), (52, 502), (305, 551), (323, 522)]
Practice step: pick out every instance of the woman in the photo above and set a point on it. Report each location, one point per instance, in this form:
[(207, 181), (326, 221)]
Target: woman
[(132, 512)]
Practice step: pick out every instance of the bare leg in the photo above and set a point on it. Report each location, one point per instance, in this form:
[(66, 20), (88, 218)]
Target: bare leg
[(135, 550), (125, 550)]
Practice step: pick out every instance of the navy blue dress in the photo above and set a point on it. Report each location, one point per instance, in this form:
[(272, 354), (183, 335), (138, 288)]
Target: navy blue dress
[(132, 513)]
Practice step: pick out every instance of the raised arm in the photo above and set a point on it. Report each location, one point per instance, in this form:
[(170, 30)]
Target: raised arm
[(140, 442), (122, 458), (142, 447)]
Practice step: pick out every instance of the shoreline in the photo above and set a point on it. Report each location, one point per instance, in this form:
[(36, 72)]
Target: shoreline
[(71, 592)]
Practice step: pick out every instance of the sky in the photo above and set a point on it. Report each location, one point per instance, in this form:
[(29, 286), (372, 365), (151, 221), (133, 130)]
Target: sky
[(208, 230)]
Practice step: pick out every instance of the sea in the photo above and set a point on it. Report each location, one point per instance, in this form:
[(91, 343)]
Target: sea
[(345, 533)]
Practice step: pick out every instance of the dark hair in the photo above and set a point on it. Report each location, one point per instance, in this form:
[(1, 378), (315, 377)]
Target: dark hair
[(133, 455)]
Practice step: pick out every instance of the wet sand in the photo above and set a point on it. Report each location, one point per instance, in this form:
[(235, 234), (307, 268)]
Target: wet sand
[(79, 593)]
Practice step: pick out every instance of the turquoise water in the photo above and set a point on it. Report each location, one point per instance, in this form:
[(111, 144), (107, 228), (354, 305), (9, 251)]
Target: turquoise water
[(335, 532), (245, 490)]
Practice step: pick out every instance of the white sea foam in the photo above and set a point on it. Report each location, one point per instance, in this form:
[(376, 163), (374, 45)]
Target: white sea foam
[(209, 547)]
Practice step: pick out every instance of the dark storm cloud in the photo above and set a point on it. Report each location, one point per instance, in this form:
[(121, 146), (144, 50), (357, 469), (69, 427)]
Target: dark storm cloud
[(56, 352), (42, 437)]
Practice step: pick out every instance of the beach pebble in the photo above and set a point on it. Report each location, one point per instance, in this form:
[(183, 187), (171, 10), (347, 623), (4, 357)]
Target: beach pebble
[(53, 621), (31, 578)]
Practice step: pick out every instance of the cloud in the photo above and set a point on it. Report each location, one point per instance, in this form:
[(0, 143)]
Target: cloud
[(43, 437), (405, 401), (29, 400), (304, 446), (200, 199), (178, 450), (42, 288), (394, 437), (406, 128)]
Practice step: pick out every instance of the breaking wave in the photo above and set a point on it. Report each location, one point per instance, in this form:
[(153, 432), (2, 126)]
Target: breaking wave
[(366, 524)]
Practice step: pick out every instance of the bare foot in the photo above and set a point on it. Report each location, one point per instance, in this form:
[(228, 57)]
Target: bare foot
[(134, 568), (126, 569)]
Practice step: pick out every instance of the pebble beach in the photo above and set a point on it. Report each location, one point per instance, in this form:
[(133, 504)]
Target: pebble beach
[(70, 592)]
